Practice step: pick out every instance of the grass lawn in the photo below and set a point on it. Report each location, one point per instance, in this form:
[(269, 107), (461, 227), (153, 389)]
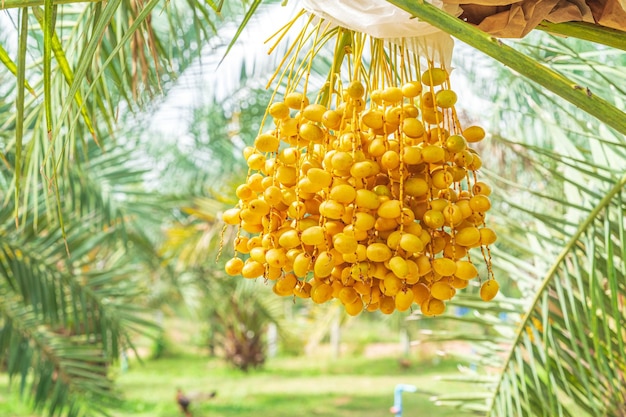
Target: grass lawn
[(285, 387)]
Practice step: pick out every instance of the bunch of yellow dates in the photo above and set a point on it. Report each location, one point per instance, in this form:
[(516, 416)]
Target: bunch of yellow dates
[(373, 202)]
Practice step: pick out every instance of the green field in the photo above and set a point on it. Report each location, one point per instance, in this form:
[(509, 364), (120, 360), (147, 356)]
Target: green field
[(347, 387)]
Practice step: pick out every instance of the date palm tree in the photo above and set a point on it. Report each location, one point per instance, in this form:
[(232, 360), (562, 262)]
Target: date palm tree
[(77, 224), (72, 70), (70, 304)]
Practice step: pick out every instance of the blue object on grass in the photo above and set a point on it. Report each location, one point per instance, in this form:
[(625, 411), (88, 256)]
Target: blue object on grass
[(397, 397)]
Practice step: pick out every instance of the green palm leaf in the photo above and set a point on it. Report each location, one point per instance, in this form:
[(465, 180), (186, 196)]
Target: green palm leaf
[(12, 67), (579, 317), (71, 320), (76, 312), (111, 58), (70, 375), (557, 349)]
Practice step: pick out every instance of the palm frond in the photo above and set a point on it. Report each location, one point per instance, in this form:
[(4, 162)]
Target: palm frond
[(72, 315), (5, 58), (100, 60), (70, 375), (249, 13), (552, 345), (83, 306)]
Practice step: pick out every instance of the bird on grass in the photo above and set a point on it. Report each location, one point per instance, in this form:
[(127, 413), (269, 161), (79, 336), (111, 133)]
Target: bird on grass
[(183, 402)]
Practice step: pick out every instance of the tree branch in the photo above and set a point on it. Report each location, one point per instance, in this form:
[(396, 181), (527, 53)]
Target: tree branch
[(578, 95), (588, 32)]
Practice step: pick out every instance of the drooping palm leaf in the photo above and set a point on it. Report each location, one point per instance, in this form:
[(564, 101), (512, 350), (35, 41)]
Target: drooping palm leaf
[(111, 58), (562, 344), (64, 321), (557, 349), (12, 67), (71, 315)]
